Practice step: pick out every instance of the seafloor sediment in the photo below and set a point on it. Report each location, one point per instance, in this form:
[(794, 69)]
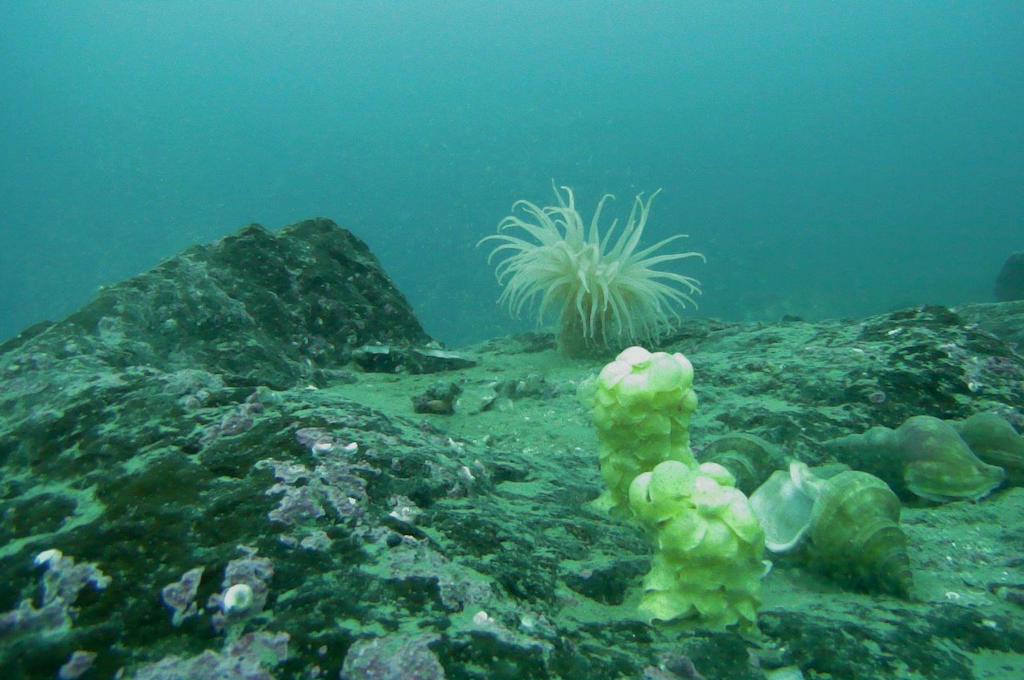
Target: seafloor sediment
[(221, 421)]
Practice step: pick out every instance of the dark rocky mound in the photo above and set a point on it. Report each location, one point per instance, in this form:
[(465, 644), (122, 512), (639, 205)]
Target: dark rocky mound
[(122, 430), (256, 308), (1010, 281)]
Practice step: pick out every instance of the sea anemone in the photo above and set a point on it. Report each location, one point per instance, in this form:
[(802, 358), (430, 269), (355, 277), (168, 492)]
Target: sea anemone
[(609, 293)]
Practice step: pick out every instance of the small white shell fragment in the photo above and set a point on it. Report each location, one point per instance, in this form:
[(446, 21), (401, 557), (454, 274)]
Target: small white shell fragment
[(48, 556), (237, 599)]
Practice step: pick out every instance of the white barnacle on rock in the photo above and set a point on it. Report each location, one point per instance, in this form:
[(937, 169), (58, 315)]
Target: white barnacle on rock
[(482, 618), (237, 599), (47, 557)]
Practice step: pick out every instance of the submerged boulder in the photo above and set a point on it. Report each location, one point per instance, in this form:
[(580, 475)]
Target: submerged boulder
[(1010, 281)]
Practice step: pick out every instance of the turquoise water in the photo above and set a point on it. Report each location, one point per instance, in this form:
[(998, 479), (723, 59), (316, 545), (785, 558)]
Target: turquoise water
[(830, 159)]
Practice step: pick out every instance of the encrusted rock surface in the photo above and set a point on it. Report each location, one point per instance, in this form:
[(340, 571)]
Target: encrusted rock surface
[(200, 426)]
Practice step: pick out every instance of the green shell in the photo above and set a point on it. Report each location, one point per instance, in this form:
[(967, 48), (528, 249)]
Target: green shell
[(995, 442), (750, 459), (856, 537), (925, 457)]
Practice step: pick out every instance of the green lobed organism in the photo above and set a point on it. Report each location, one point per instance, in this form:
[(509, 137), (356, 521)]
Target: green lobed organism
[(641, 405), (708, 546)]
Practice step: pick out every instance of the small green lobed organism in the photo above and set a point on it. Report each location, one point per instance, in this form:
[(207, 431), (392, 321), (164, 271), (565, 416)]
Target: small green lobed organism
[(641, 404), (608, 290), (708, 546)]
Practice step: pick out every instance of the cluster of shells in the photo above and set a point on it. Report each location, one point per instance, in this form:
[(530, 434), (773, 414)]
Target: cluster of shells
[(844, 519)]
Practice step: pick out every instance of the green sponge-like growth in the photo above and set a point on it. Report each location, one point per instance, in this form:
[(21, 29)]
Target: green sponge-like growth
[(641, 407), (708, 546)]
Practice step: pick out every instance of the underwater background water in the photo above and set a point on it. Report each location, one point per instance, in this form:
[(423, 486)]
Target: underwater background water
[(830, 159)]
